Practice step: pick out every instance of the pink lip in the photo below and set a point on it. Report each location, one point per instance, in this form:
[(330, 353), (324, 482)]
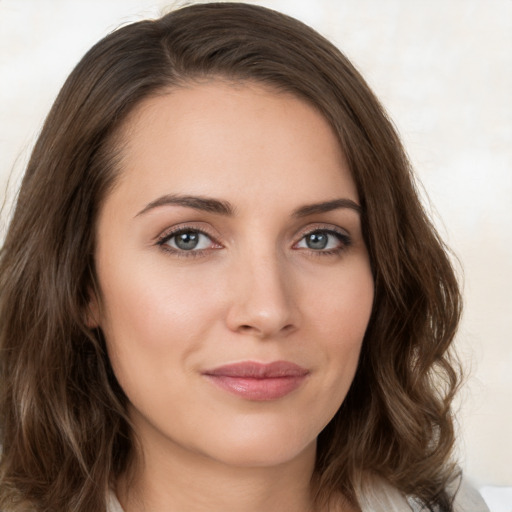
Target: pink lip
[(258, 381)]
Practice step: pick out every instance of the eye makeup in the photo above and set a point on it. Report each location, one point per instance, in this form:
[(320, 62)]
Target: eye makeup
[(190, 240), (187, 241)]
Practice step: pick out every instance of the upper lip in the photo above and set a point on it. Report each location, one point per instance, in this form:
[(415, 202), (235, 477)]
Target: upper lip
[(256, 370)]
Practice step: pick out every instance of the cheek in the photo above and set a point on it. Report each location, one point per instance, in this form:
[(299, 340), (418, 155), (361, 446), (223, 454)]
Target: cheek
[(154, 303), (343, 305), (154, 323), (339, 318), (154, 319)]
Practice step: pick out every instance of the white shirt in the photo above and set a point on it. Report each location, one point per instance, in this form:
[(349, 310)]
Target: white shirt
[(382, 497)]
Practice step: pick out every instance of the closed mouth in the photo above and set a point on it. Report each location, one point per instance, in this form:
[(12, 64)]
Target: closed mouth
[(258, 381)]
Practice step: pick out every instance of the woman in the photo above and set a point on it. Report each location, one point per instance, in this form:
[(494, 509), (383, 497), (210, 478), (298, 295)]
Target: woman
[(219, 290)]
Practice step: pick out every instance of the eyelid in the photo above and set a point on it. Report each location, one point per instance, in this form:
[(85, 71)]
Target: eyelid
[(185, 226), (169, 233), (332, 228), (342, 234), (161, 240)]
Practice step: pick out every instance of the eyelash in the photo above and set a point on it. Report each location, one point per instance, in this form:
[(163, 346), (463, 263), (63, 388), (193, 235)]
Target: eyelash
[(182, 253), (162, 242), (342, 237)]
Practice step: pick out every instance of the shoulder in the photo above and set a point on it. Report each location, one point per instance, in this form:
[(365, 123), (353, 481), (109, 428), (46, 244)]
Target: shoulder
[(376, 495), (468, 499)]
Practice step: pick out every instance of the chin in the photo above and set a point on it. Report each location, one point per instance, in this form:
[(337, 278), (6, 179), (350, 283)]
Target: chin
[(263, 450)]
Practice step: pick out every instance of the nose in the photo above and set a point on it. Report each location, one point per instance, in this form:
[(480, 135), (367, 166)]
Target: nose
[(263, 302)]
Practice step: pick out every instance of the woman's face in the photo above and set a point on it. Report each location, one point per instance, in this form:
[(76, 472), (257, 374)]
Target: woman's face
[(235, 282)]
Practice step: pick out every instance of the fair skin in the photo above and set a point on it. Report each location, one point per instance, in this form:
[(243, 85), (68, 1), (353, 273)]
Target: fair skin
[(232, 236)]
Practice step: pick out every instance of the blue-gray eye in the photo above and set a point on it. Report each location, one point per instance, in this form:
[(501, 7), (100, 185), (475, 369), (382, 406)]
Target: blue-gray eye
[(322, 240), (189, 240), (317, 240)]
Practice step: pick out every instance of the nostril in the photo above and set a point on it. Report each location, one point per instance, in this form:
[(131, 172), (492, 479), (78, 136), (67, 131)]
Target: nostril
[(251, 328)]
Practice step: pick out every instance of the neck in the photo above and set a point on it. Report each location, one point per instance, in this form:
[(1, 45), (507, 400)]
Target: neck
[(175, 479)]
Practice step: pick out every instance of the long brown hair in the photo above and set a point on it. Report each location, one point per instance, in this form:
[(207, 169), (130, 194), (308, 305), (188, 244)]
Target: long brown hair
[(63, 424)]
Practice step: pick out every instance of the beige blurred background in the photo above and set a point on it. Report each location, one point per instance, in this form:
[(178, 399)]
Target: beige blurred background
[(442, 68)]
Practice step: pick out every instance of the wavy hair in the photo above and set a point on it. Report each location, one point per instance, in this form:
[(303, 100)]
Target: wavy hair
[(64, 429)]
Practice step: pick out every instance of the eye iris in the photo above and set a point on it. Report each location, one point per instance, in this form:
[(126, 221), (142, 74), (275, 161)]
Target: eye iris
[(317, 240), (187, 240)]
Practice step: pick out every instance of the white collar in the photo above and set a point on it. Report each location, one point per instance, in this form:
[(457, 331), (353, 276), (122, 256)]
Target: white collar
[(113, 504)]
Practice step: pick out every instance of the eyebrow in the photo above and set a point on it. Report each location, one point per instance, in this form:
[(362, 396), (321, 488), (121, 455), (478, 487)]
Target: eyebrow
[(205, 204), (221, 207), (327, 206)]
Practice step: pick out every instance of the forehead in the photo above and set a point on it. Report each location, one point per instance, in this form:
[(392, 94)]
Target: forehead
[(221, 139)]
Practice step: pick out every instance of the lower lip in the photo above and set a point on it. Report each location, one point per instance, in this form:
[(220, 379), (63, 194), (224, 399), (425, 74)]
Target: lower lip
[(261, 390)]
